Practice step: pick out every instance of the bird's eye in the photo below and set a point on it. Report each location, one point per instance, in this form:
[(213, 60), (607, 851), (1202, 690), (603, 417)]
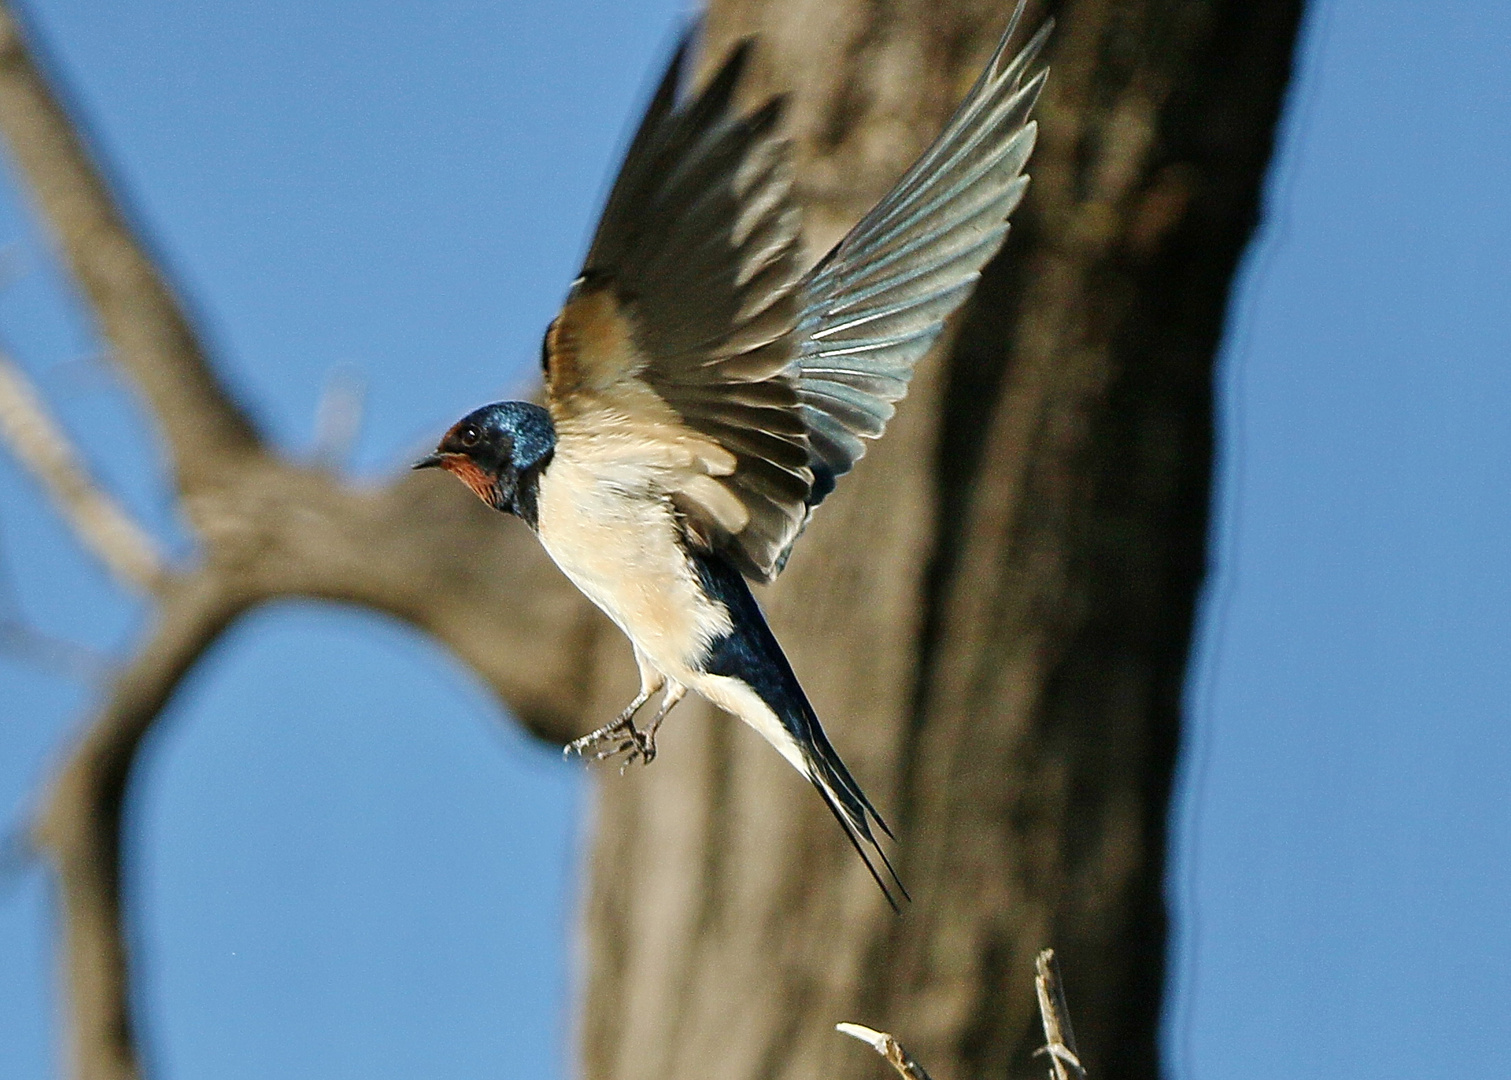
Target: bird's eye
[(469, 435)]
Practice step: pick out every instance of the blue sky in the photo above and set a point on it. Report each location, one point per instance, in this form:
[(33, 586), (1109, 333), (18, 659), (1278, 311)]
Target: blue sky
[(348, 863)]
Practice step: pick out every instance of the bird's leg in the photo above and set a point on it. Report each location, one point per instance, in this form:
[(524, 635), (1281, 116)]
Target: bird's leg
[(641, 745), (675, 692), (621, 729), (621, 733)]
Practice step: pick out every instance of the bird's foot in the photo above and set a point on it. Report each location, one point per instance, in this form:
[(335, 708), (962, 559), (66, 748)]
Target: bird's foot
[(611, 740), (623, 737)]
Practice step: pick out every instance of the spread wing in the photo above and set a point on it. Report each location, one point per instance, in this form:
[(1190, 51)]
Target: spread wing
[(875, 304), (693, 359)]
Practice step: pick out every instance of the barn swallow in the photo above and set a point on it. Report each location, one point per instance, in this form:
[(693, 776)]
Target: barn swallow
[(704, 393)]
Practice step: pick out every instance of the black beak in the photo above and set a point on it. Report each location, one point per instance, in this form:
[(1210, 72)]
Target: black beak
[(429, 461)]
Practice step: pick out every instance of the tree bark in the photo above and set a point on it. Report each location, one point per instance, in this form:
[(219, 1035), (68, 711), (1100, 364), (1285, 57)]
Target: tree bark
[(992, 615)]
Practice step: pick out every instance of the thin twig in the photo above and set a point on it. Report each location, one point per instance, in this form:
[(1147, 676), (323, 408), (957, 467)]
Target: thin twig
[(100, 522), (1060, 1040), (888, 1047)]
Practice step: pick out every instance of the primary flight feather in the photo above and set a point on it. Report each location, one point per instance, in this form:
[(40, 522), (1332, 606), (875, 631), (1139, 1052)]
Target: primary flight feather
[(704, 393)]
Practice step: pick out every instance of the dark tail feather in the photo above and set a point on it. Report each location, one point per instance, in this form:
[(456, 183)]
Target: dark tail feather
[(850, 808), (828, 762), (855, 837)]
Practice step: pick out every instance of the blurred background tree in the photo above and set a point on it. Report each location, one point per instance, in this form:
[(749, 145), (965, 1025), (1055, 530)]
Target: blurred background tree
[(993, 615)]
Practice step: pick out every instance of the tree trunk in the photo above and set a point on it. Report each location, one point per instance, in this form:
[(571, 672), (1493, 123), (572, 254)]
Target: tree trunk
[(993, 614)]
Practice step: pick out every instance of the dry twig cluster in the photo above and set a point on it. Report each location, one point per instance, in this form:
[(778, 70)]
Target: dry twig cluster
[(1059, 1042)]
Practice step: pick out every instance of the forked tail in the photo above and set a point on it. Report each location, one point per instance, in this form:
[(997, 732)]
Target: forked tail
[(749, 654)]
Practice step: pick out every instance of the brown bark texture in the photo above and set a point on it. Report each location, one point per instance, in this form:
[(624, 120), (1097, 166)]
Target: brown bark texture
[(992, 615)]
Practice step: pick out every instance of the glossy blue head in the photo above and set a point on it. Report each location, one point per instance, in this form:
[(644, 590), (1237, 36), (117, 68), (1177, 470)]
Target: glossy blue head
[(499, 451)]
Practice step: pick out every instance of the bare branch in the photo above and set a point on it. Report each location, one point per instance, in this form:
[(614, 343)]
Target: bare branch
[(138, 313), (1060, 1041), (100, 522), (887, 1047), (427, 553), (79, 827)]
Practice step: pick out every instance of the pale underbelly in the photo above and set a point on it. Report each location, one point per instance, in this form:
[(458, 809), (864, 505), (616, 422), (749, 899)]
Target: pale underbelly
[(625, 556)]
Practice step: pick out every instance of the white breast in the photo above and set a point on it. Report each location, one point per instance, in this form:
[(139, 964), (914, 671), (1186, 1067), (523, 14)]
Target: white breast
[(609, 526)]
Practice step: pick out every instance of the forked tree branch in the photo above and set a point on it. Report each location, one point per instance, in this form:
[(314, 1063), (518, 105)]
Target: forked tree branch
[(99, 521), (415, 551)]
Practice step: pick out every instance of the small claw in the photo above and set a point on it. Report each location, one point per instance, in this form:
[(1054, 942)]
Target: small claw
[(595, 738), (614, 751), (620, 737), (637, 748), (581, 746)]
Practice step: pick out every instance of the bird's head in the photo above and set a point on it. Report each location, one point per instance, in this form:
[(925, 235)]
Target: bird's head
[(499, 452)]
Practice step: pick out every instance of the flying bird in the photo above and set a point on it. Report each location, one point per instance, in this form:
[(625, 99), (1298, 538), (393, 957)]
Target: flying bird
[(704, 392)]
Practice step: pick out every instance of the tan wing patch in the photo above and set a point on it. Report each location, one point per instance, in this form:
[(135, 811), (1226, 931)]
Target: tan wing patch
[(590, 352), (599, 402)]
